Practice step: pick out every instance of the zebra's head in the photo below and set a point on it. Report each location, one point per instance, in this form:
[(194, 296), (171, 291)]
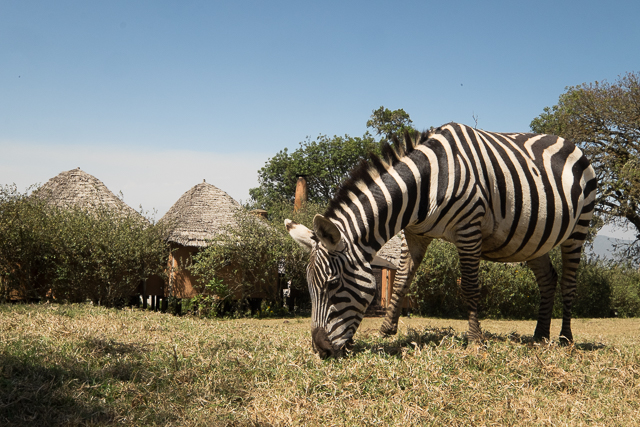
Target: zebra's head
[(340, 282)]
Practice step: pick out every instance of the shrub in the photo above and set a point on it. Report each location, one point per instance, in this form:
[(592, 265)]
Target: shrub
[(249, 258), (73, 254), (508, 291), (27, 236), (435, 286), (593, 293), (625, 291), (604, 289), (103, 256)]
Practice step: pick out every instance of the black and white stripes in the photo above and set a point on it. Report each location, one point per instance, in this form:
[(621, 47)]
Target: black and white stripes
[(500, 197)]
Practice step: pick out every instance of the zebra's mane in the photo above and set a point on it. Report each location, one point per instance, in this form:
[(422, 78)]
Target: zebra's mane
[(391, 155)]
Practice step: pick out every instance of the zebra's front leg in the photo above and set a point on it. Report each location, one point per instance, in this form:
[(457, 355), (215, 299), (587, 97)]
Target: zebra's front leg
[(411, 254)]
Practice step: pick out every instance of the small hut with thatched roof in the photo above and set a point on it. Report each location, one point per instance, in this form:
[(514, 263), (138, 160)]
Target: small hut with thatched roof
[(76, 188), (193, 221), (199, 215), (384, 271)]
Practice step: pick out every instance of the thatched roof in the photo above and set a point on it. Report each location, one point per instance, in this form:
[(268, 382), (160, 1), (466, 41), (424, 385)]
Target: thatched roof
[(199, 215), (76, 188), (391, 250)]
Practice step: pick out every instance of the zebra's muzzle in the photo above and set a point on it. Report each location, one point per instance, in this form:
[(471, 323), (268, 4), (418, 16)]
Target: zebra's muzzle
[(322, 344)]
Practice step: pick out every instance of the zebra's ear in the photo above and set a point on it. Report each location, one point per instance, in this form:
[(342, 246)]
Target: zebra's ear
[(300, 234), (327, 232)]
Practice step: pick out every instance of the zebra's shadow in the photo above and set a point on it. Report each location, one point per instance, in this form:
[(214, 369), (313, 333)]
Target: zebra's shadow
[(447, 338)]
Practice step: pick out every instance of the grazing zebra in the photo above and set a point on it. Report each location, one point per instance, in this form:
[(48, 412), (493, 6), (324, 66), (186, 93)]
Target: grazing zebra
[(495, 196)]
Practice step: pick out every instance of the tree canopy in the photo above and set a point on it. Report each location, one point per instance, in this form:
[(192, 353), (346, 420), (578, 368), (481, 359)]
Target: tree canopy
[(388, 123), (326, 161), (603, 119)]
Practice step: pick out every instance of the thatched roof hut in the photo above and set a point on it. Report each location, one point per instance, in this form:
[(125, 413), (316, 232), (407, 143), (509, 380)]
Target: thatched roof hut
[(391, 250), (192, 222), (76, 188), (384, 271), (199, 215)]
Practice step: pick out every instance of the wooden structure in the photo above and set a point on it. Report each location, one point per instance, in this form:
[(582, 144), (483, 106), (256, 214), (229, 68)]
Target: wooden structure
[(301, 196)]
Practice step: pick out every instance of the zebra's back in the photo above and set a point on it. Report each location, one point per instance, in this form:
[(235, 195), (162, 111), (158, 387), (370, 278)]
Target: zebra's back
[(528, 192)]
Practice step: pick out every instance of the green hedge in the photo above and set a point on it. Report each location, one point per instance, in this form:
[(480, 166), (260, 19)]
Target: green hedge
[(510, 290), (74, 254)]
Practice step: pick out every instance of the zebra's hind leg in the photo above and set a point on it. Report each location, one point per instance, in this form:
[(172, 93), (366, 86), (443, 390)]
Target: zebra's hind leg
[(571, 253), (547, 279), (411, 255)]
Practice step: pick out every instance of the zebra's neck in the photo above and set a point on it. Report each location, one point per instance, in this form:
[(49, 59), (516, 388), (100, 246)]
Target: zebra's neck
[(382, 199)]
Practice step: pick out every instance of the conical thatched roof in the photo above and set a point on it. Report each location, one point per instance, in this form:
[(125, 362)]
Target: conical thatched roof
[(199, 215), (391, 250), (76, 188)]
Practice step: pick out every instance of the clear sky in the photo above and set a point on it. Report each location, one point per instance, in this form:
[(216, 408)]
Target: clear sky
[(152, 97)]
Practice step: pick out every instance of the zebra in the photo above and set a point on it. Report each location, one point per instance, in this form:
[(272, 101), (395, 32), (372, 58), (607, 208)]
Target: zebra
[(508, 197)]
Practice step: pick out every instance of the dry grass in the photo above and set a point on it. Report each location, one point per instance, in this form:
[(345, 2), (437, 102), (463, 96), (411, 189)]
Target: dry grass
[(76, 365)]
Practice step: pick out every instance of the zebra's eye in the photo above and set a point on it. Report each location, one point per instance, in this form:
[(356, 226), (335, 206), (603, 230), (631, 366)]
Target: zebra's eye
[(333, 282)]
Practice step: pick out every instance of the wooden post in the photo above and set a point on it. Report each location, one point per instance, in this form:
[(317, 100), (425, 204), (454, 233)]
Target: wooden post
[(301, 193)]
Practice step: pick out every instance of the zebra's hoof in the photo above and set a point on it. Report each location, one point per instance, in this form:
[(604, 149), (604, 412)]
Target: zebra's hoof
[(565, 340), (540, 338), (387, 329)]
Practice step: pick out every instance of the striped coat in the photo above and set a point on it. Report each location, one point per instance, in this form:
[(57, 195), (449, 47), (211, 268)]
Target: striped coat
[(495, 196)]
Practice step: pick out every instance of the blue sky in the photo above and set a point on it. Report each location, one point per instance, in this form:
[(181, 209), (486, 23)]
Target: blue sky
[(152, 97)]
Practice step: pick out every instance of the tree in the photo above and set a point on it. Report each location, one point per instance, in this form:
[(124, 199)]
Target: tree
[(603, 119), (389, 123), (326, 162)]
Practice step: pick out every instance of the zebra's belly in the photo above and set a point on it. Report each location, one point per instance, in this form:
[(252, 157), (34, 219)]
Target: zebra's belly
[(507, 256), (522, 241)]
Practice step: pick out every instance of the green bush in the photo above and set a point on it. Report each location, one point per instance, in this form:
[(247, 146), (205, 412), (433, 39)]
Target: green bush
[(625, 291), (593, 292), (604, 289), (510, 290), (251, 257), (103, 256), (435, 286), (27, 236), (73, 254)]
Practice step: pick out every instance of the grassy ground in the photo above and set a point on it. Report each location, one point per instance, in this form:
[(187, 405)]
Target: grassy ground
[(77, 364)]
